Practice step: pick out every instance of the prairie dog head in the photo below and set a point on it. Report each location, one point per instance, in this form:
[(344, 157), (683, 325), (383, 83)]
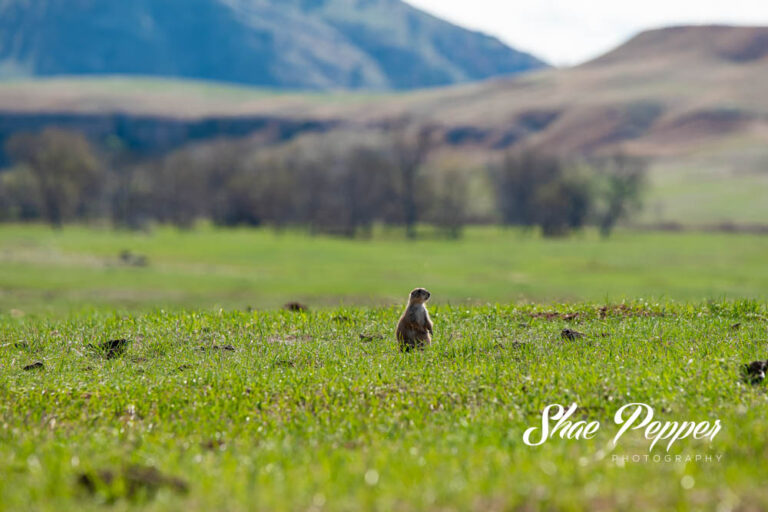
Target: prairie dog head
[(419, 296)]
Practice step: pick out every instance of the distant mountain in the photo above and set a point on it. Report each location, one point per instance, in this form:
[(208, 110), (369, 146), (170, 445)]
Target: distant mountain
[(299, 44)]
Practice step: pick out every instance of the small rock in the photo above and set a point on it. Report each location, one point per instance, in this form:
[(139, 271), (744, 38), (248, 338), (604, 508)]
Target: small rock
[(754, 372), (547, 315), (290, 339), (228, 348), (296, 307), (37, 365), (21, 345), (90, 481), (570, 334), (135, 478), (110, 349), (284, 363), (132, 259), (213, 444)]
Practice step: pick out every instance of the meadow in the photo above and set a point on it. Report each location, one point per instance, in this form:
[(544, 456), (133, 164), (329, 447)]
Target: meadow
[(220, 399), (320, 411), (58, 272)]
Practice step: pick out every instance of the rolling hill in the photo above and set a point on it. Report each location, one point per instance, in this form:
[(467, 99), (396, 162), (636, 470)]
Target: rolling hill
[(299, 44), (665, 92)]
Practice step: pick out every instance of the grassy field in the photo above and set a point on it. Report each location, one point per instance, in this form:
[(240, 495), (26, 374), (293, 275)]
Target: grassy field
[(48, 272), (304, 414), (211, 405), (723, 183)]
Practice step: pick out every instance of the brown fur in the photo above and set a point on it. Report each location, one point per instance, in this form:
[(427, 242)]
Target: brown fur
[(414, 330)]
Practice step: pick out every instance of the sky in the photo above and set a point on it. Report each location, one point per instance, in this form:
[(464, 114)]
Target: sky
[(568, 32)]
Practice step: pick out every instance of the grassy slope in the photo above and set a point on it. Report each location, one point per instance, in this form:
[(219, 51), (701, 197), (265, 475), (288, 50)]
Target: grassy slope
[(46, 271), (706, 197), (169, 97), (330, 422), (725, 182)]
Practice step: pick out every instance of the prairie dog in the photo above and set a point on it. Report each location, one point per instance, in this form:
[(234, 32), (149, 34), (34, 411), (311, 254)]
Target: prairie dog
[(414, 330)]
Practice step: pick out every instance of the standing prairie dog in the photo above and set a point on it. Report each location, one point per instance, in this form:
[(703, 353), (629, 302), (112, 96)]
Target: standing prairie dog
[(414, 330)]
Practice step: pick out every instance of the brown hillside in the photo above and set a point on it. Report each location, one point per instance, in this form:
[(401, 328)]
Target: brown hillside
[(735, 44), (665, 92)]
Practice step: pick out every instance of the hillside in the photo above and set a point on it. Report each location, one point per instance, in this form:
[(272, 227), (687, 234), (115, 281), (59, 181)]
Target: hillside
[(665, 92), (299, 44)]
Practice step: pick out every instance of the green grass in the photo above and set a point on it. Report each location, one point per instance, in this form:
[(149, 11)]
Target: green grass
[(303, 415), (45, 271)]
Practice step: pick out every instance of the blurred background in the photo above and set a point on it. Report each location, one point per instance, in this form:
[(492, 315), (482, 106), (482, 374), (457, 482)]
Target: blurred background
[(246, 153)]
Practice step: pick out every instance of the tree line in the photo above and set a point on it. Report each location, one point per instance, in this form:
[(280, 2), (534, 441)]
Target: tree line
[(340, 182)]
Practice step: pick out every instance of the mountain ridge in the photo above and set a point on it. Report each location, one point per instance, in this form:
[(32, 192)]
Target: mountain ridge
[(295, 44)]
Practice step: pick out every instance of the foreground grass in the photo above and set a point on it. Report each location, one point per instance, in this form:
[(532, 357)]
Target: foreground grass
[(304, 414), (44, 271)]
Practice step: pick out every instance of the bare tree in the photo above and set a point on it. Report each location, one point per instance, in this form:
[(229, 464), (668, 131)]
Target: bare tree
[(366, 187), (621, 179), (449, 198), (338, 183), (516, 180), (65, 170), (562, 205), (533, 189), (411, 147), (19, 195)]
